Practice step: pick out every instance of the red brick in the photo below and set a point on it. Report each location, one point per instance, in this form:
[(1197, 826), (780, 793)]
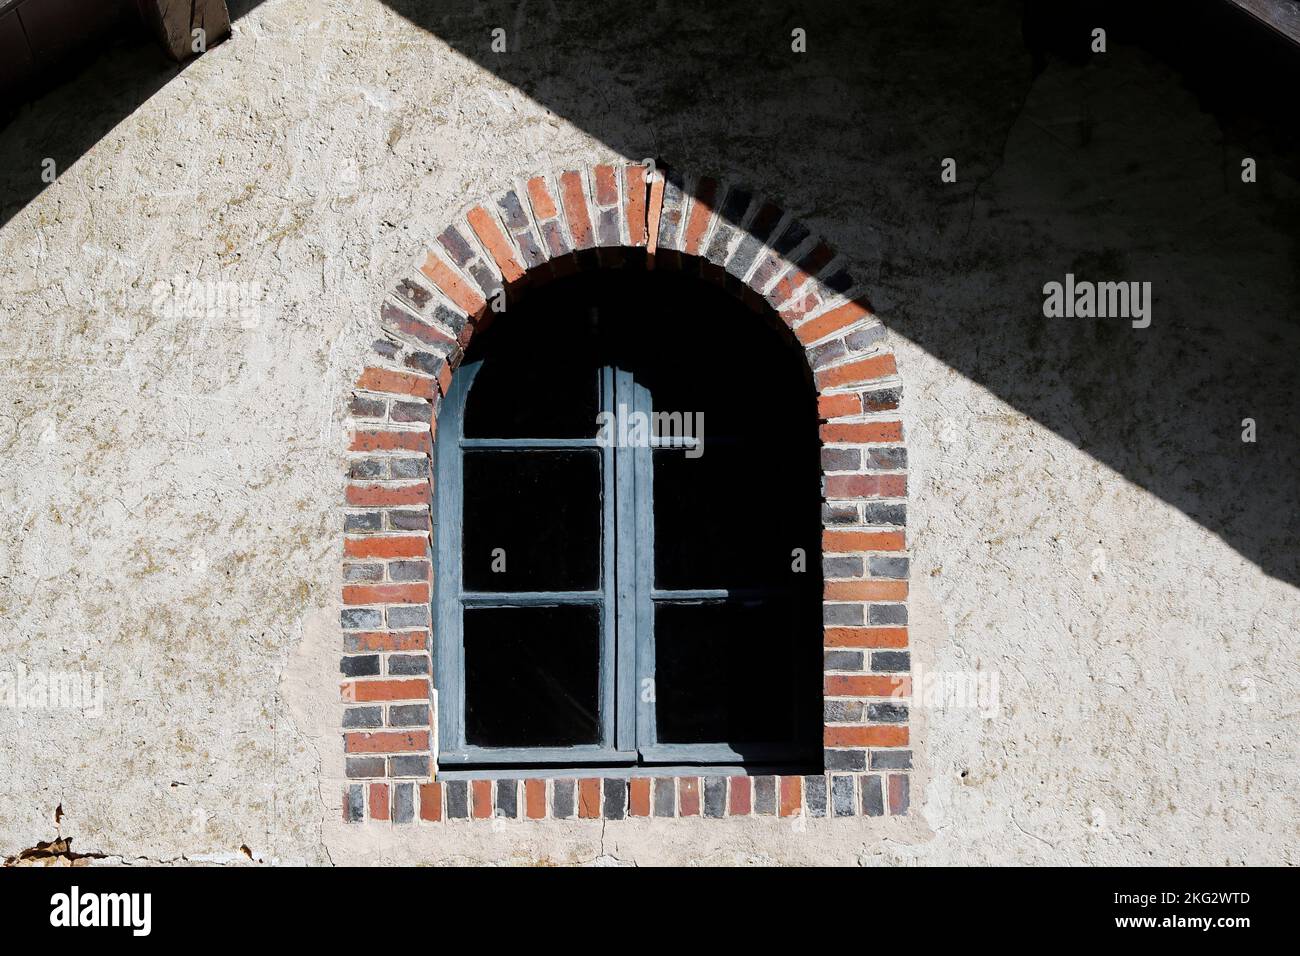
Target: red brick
[(791, 796), (865, 637), (606, 185), (359, 594), (589, 798), (482, 792), (866, 590), (634, 179), (392, 440), (654, 212), (639, 797), (574, 197), (862, 432), (740, 799), (388, 496), (392, 546), (380, 690), (706, 194), (498, 247), (431, 802), (386, 742), (868, 685), (890, 735), (540, 196), (535, 799), (847, 542), (856, 373), (897, 793), (391, 640), (838, 406), (399, 383), (454, 287), (838, 318), (688, 796), (379, 801), (866, 486)]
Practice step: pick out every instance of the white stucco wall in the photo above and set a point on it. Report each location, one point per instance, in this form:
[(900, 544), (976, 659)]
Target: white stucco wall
[(169, 488)]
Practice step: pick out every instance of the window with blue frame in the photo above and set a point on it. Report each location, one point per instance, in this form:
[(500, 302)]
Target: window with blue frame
[(627, 526)]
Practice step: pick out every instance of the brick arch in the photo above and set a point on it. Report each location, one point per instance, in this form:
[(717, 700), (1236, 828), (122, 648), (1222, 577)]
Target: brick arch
[(626, 216)]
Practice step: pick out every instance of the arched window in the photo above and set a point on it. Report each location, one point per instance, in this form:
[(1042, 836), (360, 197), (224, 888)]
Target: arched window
[(628, 536)]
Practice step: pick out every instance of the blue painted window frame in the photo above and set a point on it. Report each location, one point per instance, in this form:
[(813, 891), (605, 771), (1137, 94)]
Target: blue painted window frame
[(626, 598)]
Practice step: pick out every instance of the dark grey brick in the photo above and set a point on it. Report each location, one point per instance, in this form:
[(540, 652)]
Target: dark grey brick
[(360, 619), (845, 759), (887, 614), (365, 766), (873, 803), (891, 662), (842, 660), (794, 233), (414, 293), (411, 468), (366, 468), (356, 803), (887, 713), (363, 572), (875, 512), (842, 567), (765, 795), (363, 407), (607, 228), (827, 352), (886, 459), (556, 244), (881, 399), (362, 717), (867, 337), (457, 799), (839, 281), (366, 666), (408, 664), (365, 521), (715, 796), (736, 204), (408, 765), (891, 760), (719, 243), (408, 715), (615, 798), (842, 796), (411, 615), (532, 252), (814, 796), (386, 347), (457, 247), (563, 799), (430, 363), (842, 614), (507, 799), (885, 567), (408, 520), (842, 711), (665, 797), (513, 211), (408, 571), (412, 412), (404, 803), (741, 260), (486, 279), (841, 459), (839, 513)]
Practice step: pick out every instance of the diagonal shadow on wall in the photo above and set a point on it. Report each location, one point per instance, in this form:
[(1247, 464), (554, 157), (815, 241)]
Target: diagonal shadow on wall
[(1117, 167)]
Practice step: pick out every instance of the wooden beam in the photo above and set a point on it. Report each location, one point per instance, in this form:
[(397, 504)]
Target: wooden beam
[(1282, 15), (174, 23)]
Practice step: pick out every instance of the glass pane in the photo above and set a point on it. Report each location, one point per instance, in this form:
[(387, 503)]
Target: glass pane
[(532, 520), (733, 516), (534, 391), (734, 673), (532, 676)]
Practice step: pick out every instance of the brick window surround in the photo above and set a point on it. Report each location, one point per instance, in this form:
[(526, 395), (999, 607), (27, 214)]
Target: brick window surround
[(622, 216)]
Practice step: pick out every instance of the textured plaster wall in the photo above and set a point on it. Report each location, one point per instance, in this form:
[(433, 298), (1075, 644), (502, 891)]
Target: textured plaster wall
[(169, 487)]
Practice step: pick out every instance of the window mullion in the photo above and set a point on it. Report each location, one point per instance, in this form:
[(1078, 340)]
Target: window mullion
[(625, 540)]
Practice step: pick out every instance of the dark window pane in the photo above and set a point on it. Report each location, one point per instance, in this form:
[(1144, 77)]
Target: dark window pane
[(532, 520), (534, 391), (532, 676), (735, 673), (732, 517)]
